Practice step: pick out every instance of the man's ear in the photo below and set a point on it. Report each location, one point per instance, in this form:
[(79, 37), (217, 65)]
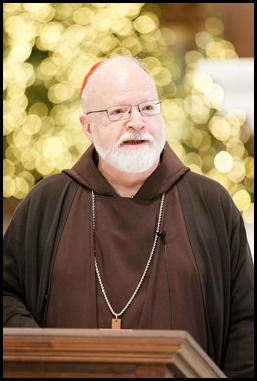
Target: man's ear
[(84, 120)]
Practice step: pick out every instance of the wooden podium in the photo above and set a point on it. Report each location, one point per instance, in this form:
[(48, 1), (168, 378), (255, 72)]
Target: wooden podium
[(96, 353)]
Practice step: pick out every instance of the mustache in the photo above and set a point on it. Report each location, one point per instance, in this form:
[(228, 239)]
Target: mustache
[(135, 135)]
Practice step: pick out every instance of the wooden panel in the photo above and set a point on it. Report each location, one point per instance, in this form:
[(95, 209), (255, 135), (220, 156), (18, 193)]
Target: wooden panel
[(78, 353)]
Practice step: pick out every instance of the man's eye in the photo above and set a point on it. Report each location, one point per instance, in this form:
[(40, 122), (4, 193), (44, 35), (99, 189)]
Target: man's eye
[(147, 108), (119, 110)]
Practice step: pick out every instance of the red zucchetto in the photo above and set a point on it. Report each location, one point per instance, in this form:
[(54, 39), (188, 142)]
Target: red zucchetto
[(91, 71)]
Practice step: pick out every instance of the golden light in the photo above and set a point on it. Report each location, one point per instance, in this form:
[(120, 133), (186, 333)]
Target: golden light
[(248, 213), (242, 199), (220, 128), (223, 161), (214, 95), (146, 23), (49, 48), (237, 172)]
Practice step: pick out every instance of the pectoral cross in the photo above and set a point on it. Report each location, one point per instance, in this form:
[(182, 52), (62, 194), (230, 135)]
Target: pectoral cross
[(116, 323)]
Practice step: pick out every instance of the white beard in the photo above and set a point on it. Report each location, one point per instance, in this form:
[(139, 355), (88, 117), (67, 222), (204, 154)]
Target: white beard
[(135, 159)]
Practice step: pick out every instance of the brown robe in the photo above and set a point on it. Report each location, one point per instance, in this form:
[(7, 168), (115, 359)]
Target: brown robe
[(200, 278), (170, 296)]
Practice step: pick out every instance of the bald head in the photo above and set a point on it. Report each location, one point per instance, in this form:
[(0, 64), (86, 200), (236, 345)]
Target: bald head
[(113, 79)]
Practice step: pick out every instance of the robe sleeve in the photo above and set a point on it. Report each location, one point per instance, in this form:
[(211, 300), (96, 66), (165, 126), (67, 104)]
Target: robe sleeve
[(29, 247), (238, 358), (225, 263), (15, 311)]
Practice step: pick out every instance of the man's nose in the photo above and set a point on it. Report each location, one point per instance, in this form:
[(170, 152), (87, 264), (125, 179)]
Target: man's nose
[(136, 109), (136, 119)]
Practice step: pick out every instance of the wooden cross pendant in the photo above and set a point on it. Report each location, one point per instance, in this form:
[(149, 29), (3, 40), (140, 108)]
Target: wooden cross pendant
[(116, 323)]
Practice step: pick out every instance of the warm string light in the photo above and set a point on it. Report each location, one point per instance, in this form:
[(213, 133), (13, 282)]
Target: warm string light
[(44, 67)]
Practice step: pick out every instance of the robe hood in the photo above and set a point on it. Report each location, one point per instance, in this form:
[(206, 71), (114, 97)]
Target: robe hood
[(168, 173)]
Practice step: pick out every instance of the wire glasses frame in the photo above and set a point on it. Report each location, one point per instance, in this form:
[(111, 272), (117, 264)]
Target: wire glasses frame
[(122, 112)]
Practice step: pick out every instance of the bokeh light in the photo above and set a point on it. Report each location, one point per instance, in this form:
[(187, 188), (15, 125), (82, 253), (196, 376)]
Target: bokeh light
[(48, 49)]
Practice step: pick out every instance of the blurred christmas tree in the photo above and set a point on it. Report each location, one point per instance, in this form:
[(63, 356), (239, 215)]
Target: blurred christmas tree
[(48, 49)]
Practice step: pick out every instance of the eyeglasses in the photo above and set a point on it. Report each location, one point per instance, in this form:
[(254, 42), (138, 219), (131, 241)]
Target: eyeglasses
[(116, 113)]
